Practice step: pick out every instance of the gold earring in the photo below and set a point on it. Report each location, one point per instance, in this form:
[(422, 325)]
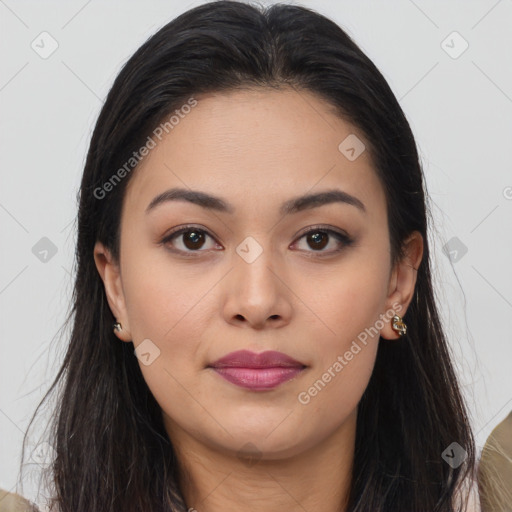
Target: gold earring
[(117, 326), (398, 325)]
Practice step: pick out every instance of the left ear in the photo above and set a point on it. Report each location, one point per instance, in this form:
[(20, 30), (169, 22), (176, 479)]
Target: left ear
[(402, 281)]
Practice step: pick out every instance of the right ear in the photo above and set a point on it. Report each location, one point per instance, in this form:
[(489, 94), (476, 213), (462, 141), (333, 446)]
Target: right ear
[(111, 276)]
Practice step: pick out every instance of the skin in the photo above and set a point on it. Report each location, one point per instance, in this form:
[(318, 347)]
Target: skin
[(257, 149)]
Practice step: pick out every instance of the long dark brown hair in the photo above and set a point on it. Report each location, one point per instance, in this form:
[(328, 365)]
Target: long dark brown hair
[(112, 452)]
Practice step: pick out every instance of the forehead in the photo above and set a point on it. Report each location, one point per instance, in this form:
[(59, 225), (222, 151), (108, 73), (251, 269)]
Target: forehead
[(256, 145)]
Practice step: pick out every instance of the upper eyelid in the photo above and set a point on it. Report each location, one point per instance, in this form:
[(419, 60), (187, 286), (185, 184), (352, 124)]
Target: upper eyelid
[(322, 227), (184, 229)]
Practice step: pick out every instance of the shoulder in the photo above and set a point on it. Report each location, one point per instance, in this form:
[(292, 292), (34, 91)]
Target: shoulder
[(495, 468), (11, 502)]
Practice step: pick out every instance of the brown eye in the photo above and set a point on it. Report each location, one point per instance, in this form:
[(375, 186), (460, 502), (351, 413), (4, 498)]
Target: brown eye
[(317, 240), (193, 239), (188, 240)]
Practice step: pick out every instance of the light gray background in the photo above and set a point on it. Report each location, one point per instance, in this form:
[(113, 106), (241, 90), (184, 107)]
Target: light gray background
[(460, 110)]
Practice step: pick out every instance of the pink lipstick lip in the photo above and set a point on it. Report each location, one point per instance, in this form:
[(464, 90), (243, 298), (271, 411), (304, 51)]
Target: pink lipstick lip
[(253, 371), (258, 378), (247, 359)]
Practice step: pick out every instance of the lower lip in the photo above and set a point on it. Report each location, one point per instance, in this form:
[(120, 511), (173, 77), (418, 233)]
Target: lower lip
[(258, 378)]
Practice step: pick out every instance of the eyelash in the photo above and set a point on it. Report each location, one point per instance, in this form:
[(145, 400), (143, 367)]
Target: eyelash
[(344, 239)]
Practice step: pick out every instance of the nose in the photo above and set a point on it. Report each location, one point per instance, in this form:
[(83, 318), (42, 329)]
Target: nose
[(256, 294)]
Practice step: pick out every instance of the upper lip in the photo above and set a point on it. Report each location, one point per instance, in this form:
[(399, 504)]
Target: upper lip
[(247, 359)]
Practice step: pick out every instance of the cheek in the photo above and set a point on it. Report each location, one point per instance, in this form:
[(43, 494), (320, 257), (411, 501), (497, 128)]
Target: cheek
[(345, 356), (352, 300), (165, 306), (160, 296), (333, 396), (350, 307), (169, 305)]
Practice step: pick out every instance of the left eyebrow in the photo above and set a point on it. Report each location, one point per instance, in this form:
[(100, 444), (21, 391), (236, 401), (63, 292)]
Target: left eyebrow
[(309, 201), (294, 205)]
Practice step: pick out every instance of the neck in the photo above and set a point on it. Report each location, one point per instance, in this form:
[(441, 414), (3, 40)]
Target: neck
[(318, 478)]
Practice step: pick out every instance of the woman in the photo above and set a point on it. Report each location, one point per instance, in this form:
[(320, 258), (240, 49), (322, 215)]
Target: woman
[(254, 323)]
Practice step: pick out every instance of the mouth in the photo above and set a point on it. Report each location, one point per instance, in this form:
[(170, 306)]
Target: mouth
[(263, 371)]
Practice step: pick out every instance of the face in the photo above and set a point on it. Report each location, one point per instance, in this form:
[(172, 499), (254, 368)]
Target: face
[(196, 282)]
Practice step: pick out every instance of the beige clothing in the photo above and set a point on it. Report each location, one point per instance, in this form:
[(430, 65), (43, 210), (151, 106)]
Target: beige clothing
[(11, 502), (495, 469)]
